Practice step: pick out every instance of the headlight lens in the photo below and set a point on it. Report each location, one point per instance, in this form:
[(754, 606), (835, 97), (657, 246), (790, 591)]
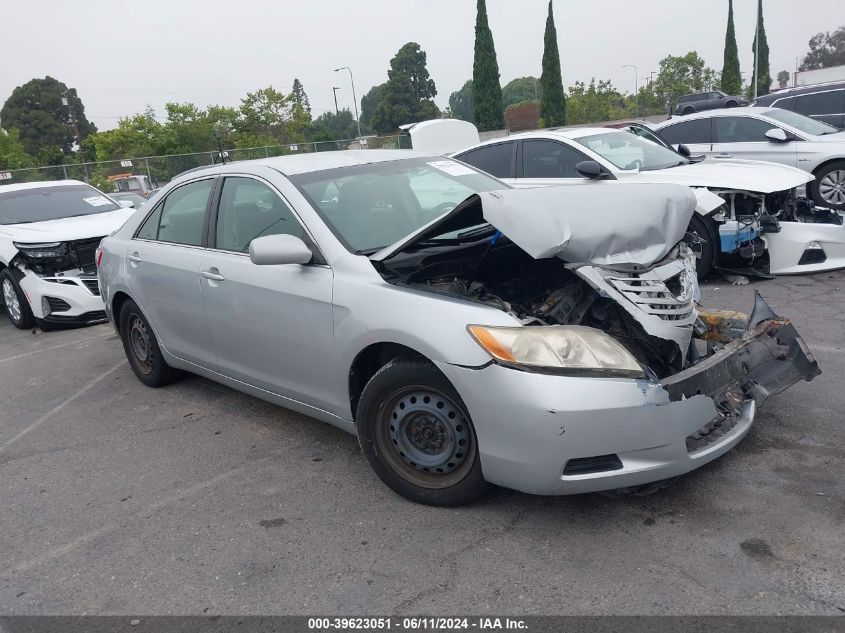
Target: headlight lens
[(561, 348), (42, 250)]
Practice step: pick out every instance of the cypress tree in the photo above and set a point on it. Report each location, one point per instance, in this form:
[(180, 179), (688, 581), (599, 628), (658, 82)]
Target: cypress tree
[(731, 77), (552, 99), (486, 90), (761, 66)]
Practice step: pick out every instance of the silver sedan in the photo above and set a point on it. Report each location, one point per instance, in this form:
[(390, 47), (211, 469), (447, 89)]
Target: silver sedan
[(546, 340)]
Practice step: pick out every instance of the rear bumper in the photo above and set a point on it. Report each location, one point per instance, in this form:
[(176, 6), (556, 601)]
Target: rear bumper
[(557, 435)]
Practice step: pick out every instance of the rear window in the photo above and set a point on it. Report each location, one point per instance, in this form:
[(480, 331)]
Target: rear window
[(41, 204)]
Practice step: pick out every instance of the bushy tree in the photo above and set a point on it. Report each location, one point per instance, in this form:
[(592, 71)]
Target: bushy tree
[(731, 75), (368, 105), (596, 101), (301, 105), (461, 105), (826, 50), (519, 90), (783, 78), (408, 95), (680, 75), (332, 127), (761, 66), (552, 100), (12, 152), (46, 125), (486, 89)]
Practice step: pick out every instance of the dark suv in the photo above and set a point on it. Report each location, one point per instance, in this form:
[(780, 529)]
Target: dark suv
[(823, 102), (712, 100)]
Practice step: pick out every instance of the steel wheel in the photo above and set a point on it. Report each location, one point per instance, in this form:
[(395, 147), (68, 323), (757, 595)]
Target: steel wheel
[(140, 344), (426, 437), (10, 298), (832, 187)]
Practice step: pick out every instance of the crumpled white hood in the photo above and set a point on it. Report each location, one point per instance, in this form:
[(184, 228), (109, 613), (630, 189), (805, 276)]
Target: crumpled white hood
[(66, 229), (743, 175), (609, 225)]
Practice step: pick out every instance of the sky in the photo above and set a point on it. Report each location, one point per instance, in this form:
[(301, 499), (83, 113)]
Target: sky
[(122, 56)]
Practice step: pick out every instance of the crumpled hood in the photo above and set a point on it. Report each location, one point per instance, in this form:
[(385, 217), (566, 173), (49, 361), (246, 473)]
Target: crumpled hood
[(66, 229), (744, 175), (613, 224)]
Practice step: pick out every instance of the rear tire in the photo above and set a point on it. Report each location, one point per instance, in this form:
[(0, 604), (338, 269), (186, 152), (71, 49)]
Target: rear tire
[(828, 189), (688, 110), (141, 347), (731, 104), (417, 436), (705, 251), (15, 302)]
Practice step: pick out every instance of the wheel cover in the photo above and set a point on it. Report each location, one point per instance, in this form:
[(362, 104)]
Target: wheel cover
[(832, 187), (140, 343), (426, 437), (10, 298)]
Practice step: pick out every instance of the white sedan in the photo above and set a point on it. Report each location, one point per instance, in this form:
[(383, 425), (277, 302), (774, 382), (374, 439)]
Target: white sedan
[(770, 134)]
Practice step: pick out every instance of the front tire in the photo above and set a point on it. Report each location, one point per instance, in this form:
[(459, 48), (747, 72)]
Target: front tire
[(705, 249), (417, 436), (141, 347), (14, 300), (828, 189), (688, 110)]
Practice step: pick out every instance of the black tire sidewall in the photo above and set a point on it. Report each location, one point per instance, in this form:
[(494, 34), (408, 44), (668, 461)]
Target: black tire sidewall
[(703, 226), (815, 192), (396, 374), (27, 320), (162, 373)]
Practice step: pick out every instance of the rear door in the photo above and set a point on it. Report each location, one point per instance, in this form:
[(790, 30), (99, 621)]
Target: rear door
[(744, 137), (546, 162), (694, 133), (497, 159), (271, 326), (163, 270)]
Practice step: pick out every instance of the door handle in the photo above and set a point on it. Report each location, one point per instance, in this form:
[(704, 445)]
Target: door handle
[(134, 257), (723, 156), (213, 274)]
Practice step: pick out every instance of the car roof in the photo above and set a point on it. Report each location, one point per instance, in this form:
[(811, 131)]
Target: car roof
[(705, 114), (570, 133), (800, 90), (19, 186)]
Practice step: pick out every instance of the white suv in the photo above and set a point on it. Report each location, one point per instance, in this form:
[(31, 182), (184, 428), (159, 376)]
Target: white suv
[(49, 234)]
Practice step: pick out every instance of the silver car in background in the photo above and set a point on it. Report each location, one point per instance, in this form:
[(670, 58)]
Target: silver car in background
[(468, 333)]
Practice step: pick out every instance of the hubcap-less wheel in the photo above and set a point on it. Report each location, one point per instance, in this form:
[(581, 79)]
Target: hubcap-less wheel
[(140, 343), (10, 298), (832, 187), (426, 437)]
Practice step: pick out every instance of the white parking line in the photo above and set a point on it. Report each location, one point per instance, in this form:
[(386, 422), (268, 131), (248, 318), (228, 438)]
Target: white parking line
[(54, 347), (59, 407)]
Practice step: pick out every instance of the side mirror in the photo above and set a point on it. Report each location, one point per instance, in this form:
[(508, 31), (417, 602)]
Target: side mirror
[(273, 250), (590, 169), (683, 150), (777, 135), (126, 204)]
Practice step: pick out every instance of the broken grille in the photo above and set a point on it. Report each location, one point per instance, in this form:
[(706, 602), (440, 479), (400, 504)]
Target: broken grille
[(670, 299), (85, 251)]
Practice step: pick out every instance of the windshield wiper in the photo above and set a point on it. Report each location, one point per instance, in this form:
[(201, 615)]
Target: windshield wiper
[(476, 232)]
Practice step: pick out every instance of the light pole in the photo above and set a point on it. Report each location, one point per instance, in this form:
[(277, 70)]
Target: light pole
[(336, 112), (636, 88), (355, 99)]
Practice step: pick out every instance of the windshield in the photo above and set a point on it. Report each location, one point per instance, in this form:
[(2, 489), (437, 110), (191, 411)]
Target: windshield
[(52, 203), (628, 151), (800, 122), (372, 206)]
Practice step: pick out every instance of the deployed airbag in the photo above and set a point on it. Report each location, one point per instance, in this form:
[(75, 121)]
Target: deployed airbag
[(614, 224)]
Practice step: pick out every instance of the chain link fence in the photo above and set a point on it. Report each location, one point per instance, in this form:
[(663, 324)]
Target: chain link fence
[(161, 169)]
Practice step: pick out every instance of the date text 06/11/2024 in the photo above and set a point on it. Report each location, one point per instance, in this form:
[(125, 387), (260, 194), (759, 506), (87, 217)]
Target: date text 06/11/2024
[(414, 624)]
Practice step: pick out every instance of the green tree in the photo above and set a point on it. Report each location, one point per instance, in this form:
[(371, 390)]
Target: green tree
[(519, 90), (783, 78), (598, 101), (408, 95), (12, 152), (680, 75), (49, 116), (826, 50), (731, 76), (368, 105), (333, 127), (301, 105), (269, 114), (761, 66), (552, 99), (486, 89), (135, 136), (461, 104)]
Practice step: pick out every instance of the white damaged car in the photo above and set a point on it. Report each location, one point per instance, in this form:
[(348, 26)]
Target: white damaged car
[(49, 233), (761, 208)]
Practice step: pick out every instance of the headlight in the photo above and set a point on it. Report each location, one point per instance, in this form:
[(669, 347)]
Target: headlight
[(42, 250), (572, 349)]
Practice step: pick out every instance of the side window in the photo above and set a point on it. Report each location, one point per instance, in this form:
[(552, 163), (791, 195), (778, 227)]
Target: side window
[(549, 159), (741, 129), (496, 160), (695, 131), (831, 102), (180, 217), (249, 209)]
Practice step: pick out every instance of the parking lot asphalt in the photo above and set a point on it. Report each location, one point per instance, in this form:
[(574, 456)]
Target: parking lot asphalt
[(192, 499)]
